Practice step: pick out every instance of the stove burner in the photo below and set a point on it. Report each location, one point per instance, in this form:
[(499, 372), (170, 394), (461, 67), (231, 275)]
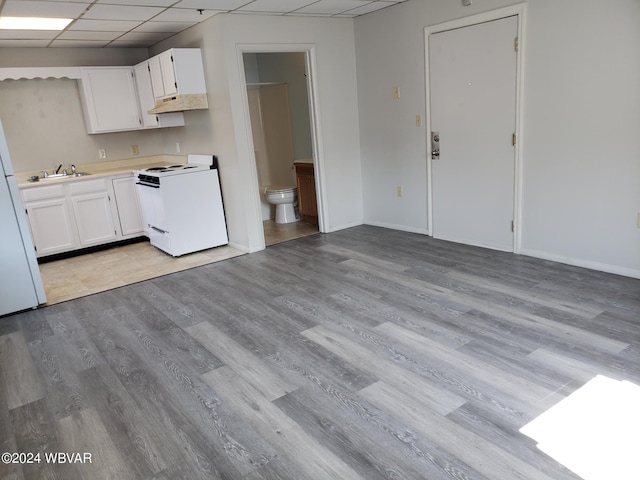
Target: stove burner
[(156, 169)]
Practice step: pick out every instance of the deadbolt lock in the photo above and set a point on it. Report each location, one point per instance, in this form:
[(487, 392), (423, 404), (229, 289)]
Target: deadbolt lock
[(435, 145)]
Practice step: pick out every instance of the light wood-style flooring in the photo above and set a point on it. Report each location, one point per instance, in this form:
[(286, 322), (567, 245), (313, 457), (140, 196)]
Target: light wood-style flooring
[(361, 354), (83, 275)]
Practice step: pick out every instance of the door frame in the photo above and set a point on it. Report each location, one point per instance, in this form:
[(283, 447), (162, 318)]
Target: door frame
[(519, 11), (309, 51)]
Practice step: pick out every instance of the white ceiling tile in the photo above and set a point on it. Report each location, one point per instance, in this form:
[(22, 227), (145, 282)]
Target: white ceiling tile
[(28, 34), (275, 6), (224, 5), (142, 37), (147, 3), (96, 17), (27, 8), (121, 12), (104, 25), (332, 7), (184, 15), (88, 35), (79, 43), (166, 27)]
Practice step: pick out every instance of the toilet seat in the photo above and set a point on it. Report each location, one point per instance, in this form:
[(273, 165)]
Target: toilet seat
[(279, 189)]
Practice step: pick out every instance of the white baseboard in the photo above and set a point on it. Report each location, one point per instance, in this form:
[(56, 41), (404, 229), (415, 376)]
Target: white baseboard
[(579, 262), (342, 227), (393, 226), (476, 244)]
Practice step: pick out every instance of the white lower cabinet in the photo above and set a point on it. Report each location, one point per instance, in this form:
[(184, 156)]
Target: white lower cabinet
[(82, 213), (52, 224), (91, 205)]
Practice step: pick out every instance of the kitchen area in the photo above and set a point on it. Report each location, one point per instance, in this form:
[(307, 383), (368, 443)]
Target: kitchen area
[(161, 213), (98, 160)]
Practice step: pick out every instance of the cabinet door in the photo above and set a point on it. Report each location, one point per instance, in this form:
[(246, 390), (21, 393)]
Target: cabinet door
[(155, 71), (128, 205), (147, 100), (145, 94), (168, 73), (110, 100), (93, 218), (51, 226)]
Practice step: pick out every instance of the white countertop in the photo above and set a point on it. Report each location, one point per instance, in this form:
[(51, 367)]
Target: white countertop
[(101, 169)]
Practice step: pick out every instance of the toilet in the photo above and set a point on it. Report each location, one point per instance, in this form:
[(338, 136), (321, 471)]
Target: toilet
[(285, 199)]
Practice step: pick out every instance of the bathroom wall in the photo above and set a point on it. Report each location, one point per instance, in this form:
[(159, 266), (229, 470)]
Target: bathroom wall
[(290, 68), (272, 139)]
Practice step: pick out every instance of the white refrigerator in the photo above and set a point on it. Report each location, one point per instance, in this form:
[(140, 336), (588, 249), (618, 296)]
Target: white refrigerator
[(20, 282)]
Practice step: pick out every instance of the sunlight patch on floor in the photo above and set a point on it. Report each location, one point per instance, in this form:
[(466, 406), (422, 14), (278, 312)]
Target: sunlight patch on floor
[(595, 431)]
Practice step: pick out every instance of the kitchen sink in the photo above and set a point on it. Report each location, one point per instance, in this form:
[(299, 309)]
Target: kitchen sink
[(55, 176)]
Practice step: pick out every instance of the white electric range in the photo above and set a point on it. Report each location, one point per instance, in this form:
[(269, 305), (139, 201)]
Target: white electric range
[(182, 205)]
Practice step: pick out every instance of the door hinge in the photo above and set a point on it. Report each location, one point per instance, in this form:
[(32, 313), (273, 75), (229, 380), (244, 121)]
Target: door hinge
[(516, 44), (514, 139), (513, 229)]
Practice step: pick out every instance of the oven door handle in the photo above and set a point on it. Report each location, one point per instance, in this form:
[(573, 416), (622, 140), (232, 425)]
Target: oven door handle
[(158, 229), (147, 185)]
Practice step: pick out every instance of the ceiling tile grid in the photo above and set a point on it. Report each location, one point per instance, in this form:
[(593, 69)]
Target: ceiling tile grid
[(143, 23)]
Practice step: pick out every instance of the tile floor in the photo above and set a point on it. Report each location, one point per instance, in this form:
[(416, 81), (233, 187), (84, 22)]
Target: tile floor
[(83, 275)]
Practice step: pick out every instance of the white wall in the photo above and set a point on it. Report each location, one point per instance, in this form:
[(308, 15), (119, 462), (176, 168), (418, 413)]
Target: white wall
[(223, 128), (581, 150), (582, 122)]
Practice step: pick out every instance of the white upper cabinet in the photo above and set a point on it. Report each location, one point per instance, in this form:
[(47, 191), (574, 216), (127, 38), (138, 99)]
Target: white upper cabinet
[(110, 99), (116, 99), (143, 77), (177, 71)]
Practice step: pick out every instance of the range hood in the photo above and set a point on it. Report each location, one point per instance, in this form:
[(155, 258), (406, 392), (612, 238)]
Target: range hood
[(181, 103)]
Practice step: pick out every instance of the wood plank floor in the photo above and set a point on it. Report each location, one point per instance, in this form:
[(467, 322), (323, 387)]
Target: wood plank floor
[(361, 354)]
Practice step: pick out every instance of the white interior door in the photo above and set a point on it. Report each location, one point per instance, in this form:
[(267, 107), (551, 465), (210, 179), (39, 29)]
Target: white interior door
[(472, 76)]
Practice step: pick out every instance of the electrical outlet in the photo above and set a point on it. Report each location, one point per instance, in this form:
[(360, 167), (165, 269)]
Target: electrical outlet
[(178, 147), (396, 92), (134, 150), (418, 120), (102, 153), (399, 191)]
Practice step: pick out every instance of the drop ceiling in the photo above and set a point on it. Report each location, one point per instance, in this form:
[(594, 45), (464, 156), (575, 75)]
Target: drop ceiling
[(143, 23)]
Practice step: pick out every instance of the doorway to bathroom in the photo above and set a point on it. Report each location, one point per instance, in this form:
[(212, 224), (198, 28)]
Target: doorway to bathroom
[(279, 107)]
